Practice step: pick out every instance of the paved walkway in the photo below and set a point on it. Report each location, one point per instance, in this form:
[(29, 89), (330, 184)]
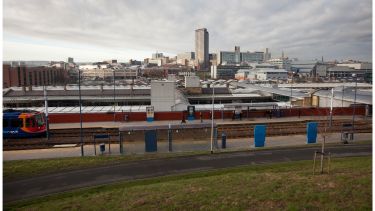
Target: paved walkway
[(178, 146), (54, 183)]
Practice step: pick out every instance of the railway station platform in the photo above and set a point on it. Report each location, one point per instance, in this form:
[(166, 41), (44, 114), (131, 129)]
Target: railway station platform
[(117, 124), (178, 146)]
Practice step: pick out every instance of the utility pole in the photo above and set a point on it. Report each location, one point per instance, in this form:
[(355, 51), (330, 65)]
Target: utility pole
[(80, 111), (46, 110)]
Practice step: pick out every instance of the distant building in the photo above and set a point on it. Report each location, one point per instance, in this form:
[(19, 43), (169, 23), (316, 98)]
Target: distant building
[(157, 55), (238, 57), (268, 74), (157, 60), (22, 75), (134, 62), (357, 65), (306, 68), (226, 71), (227, 58), (345, 73), (202, 48), (248, 57), (186, 55), (213, 59), (192, 81), (186, 58), (242, 74), (267, 55), (282, 63), (112, 61)]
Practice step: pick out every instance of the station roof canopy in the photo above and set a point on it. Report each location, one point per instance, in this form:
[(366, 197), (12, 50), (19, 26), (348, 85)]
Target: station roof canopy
[(361, 97), (273, 90)]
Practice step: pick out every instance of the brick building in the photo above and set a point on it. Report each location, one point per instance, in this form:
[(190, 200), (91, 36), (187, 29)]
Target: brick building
[(22, 75)]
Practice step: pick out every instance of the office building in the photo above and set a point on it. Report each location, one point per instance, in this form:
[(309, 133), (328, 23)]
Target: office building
[(267, 55), (282, 63), (157, 55), (238, 57), (201, 48), (185, 58), (226, 71), (250, 57), (22, 75), (268, 74)]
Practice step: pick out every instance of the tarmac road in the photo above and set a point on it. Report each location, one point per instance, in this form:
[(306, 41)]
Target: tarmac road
[(59, 182)]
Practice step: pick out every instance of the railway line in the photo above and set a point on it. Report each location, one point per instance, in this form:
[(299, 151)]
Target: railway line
[(232, 130)]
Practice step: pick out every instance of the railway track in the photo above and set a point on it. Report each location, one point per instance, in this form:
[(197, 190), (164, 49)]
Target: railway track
[(292, 128), (233, 130)]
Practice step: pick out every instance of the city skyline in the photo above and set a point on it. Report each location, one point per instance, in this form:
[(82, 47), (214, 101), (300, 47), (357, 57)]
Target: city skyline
[(97, 30)]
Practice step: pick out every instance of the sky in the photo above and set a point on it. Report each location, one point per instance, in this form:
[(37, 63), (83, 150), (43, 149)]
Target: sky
[(97, 30)]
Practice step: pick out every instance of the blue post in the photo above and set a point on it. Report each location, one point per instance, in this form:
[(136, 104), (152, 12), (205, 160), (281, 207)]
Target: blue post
[(151, 141), (259, 135), (223, 140), (312, 132)]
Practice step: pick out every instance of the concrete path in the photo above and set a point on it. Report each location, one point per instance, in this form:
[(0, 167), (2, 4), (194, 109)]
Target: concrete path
[(59, 182), (178, 146)]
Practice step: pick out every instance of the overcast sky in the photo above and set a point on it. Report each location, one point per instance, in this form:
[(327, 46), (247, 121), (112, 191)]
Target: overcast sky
[(123, 29)]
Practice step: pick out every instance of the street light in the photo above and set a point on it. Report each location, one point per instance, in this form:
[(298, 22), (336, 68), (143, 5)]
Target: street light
[(212, 116), (80, 111), (46, 110), (355, 99), (114, 97), (342, 96), (291, 92)]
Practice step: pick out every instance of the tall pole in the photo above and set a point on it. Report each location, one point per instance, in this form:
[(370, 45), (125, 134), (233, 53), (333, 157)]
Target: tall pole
[(114, 97), (342, 96), (291, 92), (212, 117), (355, 99), (46, 110), (331, 109), (80, 111)]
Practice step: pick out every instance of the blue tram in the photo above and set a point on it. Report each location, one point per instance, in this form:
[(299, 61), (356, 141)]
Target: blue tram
[(23, 124)]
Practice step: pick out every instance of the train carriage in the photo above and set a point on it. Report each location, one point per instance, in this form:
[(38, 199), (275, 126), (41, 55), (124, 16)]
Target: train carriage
[(23, 124)]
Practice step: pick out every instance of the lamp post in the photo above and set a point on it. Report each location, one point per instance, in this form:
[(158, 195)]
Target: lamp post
[(212, 117), (342, 96), (46, 110), (355, 99), (291, 92), (80, 111), (114, 97), (331, 109)]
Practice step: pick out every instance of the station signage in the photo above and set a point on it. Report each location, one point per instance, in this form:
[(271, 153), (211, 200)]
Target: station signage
[(150, 113)]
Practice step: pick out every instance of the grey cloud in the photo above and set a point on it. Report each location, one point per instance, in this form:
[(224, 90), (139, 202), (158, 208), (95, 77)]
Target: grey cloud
[(304, 28)]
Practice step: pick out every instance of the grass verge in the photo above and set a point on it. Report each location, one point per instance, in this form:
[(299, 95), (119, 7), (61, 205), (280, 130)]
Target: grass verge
[(286, 186), (19, 169)]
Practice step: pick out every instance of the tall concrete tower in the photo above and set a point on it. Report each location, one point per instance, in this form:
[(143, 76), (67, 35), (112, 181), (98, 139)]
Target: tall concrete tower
[(237, 52), (201, 48)]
